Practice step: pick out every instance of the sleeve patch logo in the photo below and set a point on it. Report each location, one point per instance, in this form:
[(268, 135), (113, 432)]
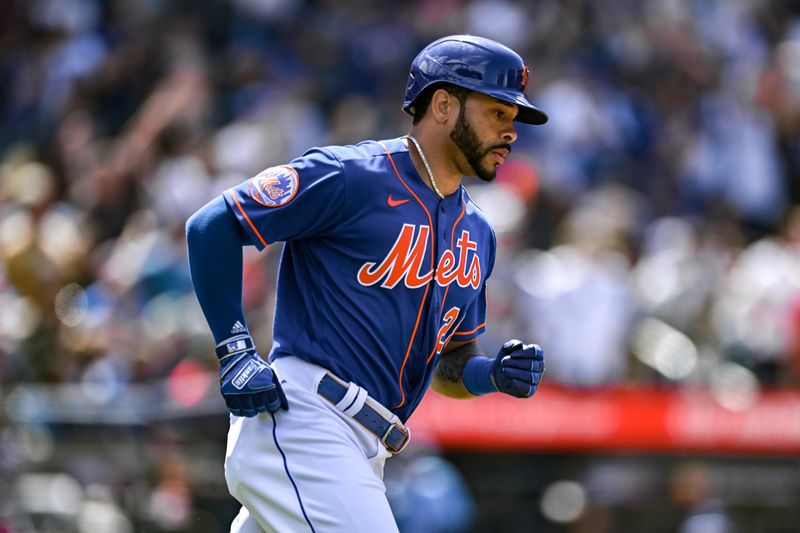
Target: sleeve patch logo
[(275, 186)]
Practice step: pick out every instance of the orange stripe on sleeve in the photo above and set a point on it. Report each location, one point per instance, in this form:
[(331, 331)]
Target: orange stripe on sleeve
[(247, 218), (470, 332)]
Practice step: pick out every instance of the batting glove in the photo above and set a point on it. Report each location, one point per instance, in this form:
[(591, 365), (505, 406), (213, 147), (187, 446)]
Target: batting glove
[(247, 382), (518, 369)]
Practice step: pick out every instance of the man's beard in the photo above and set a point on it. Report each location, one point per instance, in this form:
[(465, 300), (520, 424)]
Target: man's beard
[(467, 141)]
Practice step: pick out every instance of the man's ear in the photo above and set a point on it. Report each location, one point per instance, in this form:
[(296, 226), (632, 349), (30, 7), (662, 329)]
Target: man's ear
[(444, 106)]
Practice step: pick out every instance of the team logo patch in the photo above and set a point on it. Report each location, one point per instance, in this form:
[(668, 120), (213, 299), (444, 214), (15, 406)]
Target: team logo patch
[(275, 186)]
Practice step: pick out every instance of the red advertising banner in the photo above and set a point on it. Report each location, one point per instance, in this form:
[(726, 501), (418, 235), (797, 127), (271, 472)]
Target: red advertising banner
[(560, 419)]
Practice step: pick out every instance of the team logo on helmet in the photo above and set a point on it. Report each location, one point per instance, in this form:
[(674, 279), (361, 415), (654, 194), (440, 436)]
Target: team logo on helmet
[(524, 82), (275, 186)]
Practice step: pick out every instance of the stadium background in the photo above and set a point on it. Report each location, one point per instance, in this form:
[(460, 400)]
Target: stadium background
[(649, 234)]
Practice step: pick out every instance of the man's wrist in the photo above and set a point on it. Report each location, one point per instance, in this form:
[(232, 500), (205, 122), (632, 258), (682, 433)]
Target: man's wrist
[(234, 345), (232, 350), (478, 375)]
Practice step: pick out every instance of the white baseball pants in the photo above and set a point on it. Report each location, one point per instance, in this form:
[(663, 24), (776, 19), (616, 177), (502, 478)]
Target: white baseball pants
[(309, 469)]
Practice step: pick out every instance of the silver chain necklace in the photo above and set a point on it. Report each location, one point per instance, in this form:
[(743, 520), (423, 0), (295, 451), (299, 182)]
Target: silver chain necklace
[(427, 166)]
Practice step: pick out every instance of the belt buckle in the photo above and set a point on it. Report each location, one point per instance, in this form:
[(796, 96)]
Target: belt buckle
[(405, 431)]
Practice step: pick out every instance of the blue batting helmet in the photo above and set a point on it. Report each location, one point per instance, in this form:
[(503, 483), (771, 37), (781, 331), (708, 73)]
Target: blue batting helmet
[(474, 63)]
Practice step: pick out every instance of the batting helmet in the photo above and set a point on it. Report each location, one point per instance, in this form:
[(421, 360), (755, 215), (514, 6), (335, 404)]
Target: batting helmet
[(474, 63)]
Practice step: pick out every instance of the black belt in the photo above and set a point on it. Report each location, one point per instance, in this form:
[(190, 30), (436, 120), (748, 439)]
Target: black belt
[(393, 435)]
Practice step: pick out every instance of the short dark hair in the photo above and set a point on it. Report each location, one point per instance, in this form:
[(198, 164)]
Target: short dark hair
[(423, 101)]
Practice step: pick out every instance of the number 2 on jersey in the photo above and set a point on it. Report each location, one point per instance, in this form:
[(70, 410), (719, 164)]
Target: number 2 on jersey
[(449, 321)]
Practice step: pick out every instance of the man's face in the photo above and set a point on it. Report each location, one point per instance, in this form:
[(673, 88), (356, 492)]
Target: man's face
[(484, 132)]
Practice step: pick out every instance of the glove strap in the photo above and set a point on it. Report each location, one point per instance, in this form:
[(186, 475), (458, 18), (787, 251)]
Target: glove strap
[(234, 345), (232, 350)]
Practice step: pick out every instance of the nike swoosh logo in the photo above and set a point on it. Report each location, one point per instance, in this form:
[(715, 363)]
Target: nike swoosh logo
[(394, 203)]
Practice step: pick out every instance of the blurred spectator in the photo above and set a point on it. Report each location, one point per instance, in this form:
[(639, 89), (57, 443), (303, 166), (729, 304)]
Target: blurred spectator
[(427, 494), (692, 488), (170, 502)]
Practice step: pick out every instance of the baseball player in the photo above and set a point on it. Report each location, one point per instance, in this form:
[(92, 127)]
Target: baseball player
[(381, 293)]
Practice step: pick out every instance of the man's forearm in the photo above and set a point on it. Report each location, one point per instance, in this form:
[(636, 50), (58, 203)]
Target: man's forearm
[(215, 242), (448, 378)]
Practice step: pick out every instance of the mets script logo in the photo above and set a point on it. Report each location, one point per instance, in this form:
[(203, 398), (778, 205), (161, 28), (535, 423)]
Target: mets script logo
[(275, 186), (404, 262)]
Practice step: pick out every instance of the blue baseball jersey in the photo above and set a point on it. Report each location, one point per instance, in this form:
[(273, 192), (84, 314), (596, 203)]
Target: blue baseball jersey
[(377, 273)]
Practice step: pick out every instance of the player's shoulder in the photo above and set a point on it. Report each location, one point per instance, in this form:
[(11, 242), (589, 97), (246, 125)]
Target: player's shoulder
[(356, 163), (335, 157), (353, 154)]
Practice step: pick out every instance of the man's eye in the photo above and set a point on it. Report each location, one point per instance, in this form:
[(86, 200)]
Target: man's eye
[(500, 114)]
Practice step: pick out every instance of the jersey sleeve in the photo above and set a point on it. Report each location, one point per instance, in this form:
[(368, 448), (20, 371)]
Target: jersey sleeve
[(299, 200), (474, 320)]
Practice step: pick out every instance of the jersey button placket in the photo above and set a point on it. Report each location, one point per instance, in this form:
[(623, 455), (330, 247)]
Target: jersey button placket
[(443, 224)]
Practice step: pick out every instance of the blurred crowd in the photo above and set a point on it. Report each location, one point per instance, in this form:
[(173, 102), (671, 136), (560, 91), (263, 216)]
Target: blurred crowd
[(649, 233)]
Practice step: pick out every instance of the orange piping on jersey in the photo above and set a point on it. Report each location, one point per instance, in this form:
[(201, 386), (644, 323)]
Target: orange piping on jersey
[(452, 240), (470, 331), (247, 218), (425, 295), (408, 350)]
